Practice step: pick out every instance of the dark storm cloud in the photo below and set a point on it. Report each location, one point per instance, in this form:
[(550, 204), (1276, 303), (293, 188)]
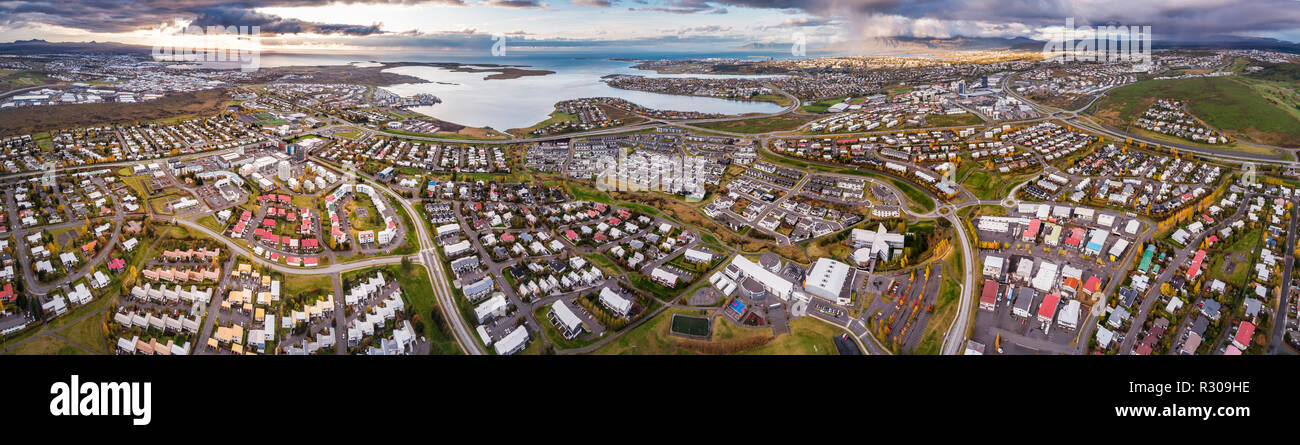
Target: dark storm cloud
[(1168, 18), (684, 7), (272, 25), (124, 16), (520, 4)]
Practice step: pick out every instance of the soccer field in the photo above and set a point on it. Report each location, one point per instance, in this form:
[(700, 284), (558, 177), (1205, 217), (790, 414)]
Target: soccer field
[(695, 326)]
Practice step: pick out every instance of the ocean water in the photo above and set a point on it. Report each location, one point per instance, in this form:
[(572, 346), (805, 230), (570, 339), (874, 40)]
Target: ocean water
[(470, 99)]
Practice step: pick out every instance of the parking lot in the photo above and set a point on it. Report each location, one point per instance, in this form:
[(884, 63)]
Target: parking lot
[(901, 311)]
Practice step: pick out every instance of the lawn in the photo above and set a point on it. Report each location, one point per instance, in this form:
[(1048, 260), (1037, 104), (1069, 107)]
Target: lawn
[(583, 193), (604, 263), (773, 98), (650, 338), (46, 345), (211, 223), (88, 333), (180, 232), (372, 221), (917, 200), (992, 185), (646, 284), (808, 336), (297, 284), (302, 202), (1241, 269), (15, 79), (726, 330), (952, 120), (412, 242), (136, 183), (442, 135)]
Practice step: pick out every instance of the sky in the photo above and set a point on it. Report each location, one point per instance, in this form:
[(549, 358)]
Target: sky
[(703, 26)]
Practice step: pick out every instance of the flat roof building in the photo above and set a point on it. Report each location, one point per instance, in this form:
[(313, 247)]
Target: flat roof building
[(1069, 316), (513, 342), (775, 284), (827, 279)]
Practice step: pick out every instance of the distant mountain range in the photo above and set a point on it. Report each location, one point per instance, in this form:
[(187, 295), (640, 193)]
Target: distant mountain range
[(960, 43), (1022, 43), (36, 46), (1231, 42)]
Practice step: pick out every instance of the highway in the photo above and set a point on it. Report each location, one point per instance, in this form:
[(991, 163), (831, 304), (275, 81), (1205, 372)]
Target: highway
[(465, 337), (955, 338)]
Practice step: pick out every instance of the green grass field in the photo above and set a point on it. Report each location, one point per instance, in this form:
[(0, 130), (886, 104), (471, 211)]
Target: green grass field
[(296, 284), (211, 223), (89, 333), (773, 98), (952, 120), (15, 79), (47, 345), (604, 263), (650, 338), (1240, 272), (757, 125), (1233, 105), (821, 105), (583, 193), (989, 185), (917, 200), (555, 118), (808, 336)]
